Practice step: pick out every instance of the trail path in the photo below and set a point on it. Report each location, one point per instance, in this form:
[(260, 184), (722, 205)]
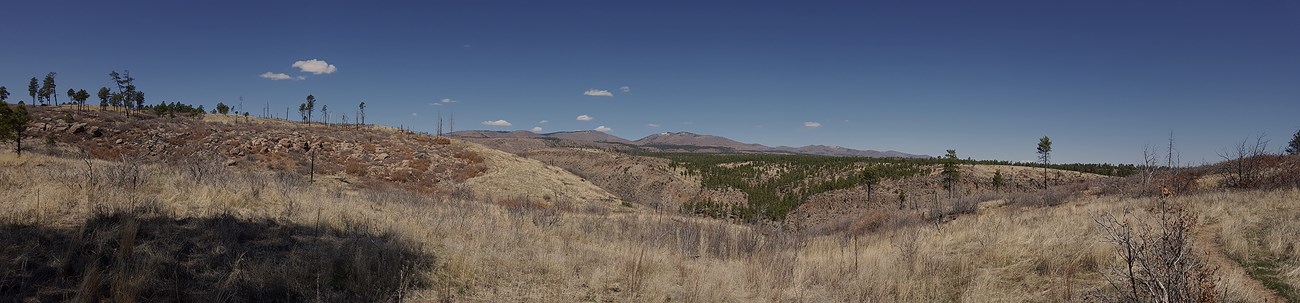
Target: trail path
[(1207, 245)]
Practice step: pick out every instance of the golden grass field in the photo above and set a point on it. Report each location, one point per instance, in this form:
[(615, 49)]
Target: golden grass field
[(432, 249)]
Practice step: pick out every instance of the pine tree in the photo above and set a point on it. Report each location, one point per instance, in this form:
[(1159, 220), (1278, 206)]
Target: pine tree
[(104, 94), (33, 89), (311, 107), (950, 173), (1045, 155), (871, 177), (13, 124), (1292, 148)]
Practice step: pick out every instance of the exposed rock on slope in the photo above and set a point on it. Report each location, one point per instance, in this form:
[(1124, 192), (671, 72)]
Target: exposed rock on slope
[(375, 156)]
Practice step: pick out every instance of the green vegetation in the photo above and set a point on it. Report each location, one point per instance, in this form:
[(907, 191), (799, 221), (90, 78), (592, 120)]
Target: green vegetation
[(1292, 148), (951, 176), (999, 180), (776, 183), (13, 124), (171, 109)]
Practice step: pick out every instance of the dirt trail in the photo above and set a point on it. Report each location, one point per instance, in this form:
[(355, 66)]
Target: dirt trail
[(1207, 245)]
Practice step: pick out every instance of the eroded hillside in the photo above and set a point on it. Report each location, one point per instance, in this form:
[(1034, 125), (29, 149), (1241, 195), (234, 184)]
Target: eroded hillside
[(370, 156)]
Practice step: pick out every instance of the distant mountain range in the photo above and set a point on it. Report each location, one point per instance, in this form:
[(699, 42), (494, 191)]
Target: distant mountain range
[(673, 142)]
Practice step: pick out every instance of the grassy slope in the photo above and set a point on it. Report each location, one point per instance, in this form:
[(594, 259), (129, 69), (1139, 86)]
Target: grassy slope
[(487, 252)]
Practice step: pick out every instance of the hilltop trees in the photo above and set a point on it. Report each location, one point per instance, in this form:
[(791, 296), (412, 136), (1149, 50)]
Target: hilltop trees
[(1292, 148), (13, 124), (302, 111), (363, 112), (311, 106), (4, 93), (103, 97), (126, 91), (47, 90), (222, 108), (32, 89), (325, 111), (1045, 155), (78, 97)]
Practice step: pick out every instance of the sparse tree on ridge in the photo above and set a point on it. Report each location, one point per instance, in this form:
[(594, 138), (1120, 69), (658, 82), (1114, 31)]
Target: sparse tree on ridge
[(82, 96), (325, 111), (1292, 148), (4, 94), (72, 95), (311, 107), (139, 99), (13, 124), (33, 88), (1045, 155), (49, 89), (222, 108), (127, 94), (104, 94), (302, 110), (363, 112)]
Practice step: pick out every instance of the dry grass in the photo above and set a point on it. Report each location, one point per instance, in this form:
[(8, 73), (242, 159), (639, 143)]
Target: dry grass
[(521, 251)]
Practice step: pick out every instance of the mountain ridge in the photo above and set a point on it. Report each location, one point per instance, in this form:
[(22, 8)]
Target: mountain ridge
[(680, 142)]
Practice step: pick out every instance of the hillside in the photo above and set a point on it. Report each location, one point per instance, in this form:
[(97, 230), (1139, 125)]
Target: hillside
[(371, 156), (168, 234), (148, 208)]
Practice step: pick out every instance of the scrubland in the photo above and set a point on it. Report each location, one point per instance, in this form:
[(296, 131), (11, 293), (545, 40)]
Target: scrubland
[(89, 230)]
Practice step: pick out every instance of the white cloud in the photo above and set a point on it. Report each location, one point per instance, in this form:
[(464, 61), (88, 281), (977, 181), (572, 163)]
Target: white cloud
[(652, 125), (496, 123), (280, 76), (585, 118), (415, 115), (315, 66), (602, 129), (812, 124), (625, 89), (448, 101), (543, 122), (537, 129), (598, 93)]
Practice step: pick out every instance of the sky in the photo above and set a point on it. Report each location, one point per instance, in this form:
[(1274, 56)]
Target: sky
[(1103, 79)]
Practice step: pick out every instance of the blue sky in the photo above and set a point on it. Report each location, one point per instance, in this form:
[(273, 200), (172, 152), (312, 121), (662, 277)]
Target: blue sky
[(1102, 78)]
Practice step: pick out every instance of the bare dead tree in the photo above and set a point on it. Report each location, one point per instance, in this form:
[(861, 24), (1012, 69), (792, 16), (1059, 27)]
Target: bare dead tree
[(1149, 160), (1242, 163), (1157, 260)]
